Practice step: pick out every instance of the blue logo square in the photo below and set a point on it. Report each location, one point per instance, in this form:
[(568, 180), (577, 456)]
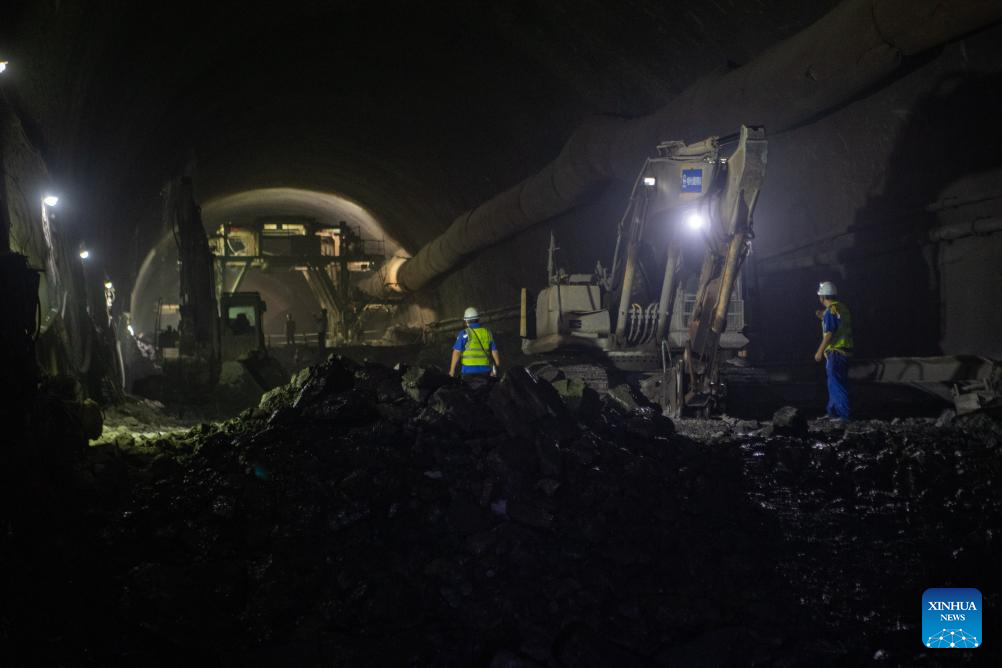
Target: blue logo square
[(951, 619), (692, 180)]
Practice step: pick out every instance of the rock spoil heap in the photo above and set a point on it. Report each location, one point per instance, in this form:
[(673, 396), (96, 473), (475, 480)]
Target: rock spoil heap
[(364, 515)]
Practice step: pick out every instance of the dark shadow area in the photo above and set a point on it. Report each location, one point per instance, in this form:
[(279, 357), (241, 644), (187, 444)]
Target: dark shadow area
[(789, 340), (808, 392), (364, 515), (891, 269)]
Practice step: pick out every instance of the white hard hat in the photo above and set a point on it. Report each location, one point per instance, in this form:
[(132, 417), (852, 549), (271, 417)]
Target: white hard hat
[(827, 289), (471, 314)]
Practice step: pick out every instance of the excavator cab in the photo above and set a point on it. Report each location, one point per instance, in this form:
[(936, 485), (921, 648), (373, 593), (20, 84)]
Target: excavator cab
[(242, 328)]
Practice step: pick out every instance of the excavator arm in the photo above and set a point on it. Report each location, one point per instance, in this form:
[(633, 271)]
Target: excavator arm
[(198, 364), (691, 203), (729, 236), (708, 188)]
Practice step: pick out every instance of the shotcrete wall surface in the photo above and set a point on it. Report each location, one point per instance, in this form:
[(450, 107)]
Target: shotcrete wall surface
[(856, 196)]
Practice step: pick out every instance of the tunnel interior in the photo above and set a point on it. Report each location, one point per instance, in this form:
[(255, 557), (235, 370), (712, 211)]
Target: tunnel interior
[(132, 112), (284, 289), (621, 471)]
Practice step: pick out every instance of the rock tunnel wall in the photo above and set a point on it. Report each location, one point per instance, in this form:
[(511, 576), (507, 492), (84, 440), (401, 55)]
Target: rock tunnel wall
[(856, 197), (66, 333), (355, 104)]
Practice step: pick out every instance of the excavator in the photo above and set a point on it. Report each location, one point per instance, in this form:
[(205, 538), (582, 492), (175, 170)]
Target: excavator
[(690, 207), (219, 325), (216, 327)]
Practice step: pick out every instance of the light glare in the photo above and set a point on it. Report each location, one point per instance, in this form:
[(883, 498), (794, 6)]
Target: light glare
[(50, 200), (84, 254), (695, 221)]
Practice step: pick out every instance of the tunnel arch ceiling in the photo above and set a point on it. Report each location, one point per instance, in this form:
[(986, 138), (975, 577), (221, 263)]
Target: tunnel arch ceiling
[(158, 278), (417, 112), (274, 169), (443, 105), (325, 207)]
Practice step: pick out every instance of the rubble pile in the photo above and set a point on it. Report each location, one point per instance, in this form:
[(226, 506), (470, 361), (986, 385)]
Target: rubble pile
[(874, 513), (137, 422), (360, 503), (363, 515)]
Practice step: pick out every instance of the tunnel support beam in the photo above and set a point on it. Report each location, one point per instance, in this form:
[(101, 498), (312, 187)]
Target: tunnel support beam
[(852, 48)]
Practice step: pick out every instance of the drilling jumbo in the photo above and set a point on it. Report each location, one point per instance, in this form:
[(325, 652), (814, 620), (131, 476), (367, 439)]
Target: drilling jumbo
[(691, 206)]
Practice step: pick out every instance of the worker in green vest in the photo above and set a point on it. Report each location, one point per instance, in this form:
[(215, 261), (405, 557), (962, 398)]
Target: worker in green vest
[(835, 349), (474, 351)]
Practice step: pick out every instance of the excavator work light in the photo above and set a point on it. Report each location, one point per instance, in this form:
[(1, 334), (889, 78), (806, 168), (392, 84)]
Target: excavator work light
[(695, 221)]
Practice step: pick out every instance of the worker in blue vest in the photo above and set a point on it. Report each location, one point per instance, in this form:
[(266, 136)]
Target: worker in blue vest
[(475, 351), (835, 349)]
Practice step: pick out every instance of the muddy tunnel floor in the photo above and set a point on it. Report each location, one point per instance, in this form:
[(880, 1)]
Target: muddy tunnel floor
[(363, 515)]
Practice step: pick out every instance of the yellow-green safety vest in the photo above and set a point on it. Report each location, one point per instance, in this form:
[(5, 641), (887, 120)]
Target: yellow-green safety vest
[(841, 337), (478, 347)]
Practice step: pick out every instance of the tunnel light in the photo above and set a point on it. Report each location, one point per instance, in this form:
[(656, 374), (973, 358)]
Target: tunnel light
[(50, 200), (84, 253), (132, 332), (3, 65), (695, 221), (108, 285), (650, 181)]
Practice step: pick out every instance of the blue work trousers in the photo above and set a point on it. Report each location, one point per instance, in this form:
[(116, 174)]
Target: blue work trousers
[(837, 366), (477, 381)]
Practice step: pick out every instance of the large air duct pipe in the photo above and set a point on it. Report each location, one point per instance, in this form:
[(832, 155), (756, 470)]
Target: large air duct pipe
[(850, 49)]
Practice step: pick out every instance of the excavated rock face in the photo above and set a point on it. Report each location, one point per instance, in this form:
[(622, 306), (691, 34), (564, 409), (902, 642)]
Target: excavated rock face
[(343, 520)]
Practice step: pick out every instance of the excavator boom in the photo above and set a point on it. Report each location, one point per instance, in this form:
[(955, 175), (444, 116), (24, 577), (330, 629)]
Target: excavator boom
[(689, 200)]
